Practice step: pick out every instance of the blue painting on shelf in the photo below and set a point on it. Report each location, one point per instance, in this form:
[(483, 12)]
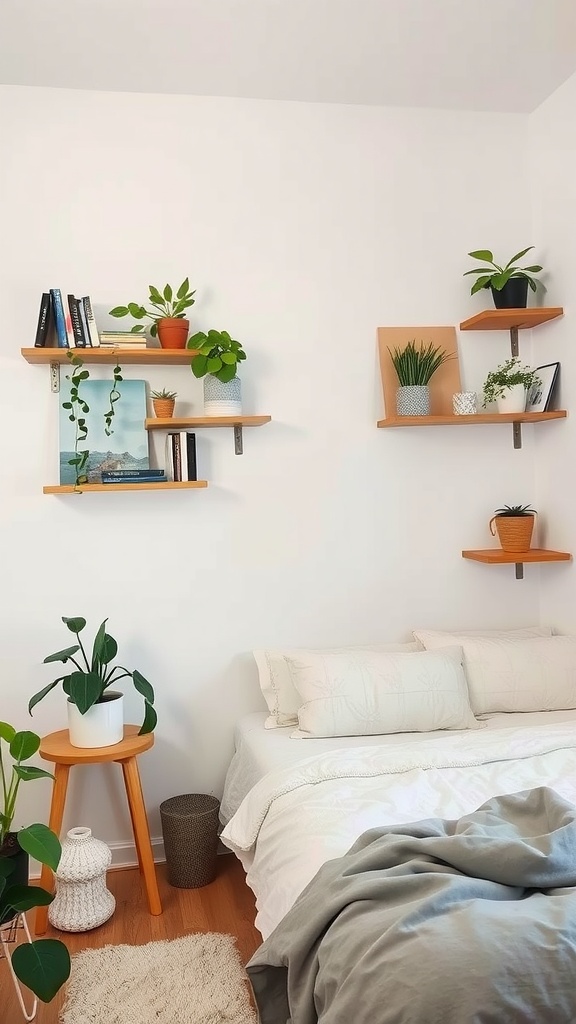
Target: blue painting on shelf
[(127, 445)]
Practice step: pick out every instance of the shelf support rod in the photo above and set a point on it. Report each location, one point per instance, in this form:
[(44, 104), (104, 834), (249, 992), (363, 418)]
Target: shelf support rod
[(238, 446), (517, 434), (55, 377), (519, 566), (514, 341)]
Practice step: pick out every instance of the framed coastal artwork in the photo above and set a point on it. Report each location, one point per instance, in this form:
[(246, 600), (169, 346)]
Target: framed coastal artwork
[(126, 447), (540, 395)]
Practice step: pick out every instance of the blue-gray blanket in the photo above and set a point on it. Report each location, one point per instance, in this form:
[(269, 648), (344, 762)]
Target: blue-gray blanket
[(470, 921)]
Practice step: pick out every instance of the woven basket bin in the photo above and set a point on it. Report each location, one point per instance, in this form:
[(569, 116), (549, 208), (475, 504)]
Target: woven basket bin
[(514, 532), (190, 831)]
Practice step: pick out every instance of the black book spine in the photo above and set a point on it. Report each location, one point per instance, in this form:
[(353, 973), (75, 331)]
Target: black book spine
[(191, 450), (43, 320), (76, 325)]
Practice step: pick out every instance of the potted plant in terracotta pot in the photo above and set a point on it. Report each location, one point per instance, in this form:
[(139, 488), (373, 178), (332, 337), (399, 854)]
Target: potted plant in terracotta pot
[(163, 402), (509, 285), (43, 965), (514, 525), (95, 712), (216, 360), (509, 385), (169, 323), (414, 368)]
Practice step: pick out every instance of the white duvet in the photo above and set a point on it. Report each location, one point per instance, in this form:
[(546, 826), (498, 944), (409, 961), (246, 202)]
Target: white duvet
[(296, 818)]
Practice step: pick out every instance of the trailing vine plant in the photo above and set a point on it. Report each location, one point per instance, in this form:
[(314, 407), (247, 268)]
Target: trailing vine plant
[(78, 409), (113, 397)]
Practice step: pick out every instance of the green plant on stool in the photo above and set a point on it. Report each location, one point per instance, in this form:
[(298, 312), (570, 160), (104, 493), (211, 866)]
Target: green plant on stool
[(217, 353), (508, 375), (43, 965), (93, 675)]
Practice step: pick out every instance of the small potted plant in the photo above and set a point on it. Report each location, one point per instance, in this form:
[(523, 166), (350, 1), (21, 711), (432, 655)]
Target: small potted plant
[(95, 712), (163, 402), (414, 369), (509, 385), (216, 360), (43, 965), (169, 323), (509, 285), (514, 525)]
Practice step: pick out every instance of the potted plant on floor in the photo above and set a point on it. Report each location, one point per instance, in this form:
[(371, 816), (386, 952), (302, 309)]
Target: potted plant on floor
[(414, 368), (217, 361), (163, 403), (514, 525), (169, 323), (95, 712), (509, 284), (43, 965), (509, 385)]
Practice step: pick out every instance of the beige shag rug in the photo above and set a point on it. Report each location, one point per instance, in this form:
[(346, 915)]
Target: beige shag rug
[(198, 979)]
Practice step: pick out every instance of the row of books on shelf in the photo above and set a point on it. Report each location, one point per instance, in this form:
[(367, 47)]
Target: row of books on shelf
[(68, 322), (180, 455)]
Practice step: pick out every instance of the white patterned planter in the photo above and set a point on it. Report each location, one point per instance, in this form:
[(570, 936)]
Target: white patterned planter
[(82, 900), (464, 403), (222, 399), (101, 726), (413, 400)]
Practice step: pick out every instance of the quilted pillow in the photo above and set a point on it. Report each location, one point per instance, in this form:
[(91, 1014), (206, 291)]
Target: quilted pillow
[(276, 683), (516, 674), (505, 634), (365, 693)]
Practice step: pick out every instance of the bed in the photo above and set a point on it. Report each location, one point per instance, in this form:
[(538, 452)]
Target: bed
[(295, 804)]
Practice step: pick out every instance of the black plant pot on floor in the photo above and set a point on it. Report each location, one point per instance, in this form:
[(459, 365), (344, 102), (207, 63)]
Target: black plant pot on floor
[(514, 294), (18, 857)]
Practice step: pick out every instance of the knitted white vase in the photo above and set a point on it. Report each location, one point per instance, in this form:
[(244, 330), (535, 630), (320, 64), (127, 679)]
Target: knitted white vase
[(82, 900)]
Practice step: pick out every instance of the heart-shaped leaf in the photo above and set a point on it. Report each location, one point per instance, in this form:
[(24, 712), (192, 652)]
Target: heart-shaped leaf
[(41, 843), (24, 745), (43, 965)]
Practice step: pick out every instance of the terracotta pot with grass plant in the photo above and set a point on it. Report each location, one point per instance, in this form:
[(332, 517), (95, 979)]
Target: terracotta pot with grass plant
[(163, 402), (514, 525)]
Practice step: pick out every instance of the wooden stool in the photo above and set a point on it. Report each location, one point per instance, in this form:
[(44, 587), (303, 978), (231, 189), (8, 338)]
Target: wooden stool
[(57, 748)]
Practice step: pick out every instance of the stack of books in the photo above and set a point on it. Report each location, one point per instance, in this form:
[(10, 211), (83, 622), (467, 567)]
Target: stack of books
[(133, 476), (65, 323), (122, 339), (181, 455)]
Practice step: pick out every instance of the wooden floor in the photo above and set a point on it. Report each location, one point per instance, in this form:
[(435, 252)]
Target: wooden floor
[(227, 905)]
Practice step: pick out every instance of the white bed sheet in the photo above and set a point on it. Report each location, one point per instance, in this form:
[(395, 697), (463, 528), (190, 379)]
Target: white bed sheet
[(307, 809)]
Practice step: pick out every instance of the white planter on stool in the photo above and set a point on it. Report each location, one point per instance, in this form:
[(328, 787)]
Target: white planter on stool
[(82, 900), (101, 726), (222, 398)]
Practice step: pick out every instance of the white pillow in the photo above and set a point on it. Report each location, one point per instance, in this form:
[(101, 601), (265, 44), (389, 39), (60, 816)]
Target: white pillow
[(276, 684), (504, 634), (516, 674), (365, 693)]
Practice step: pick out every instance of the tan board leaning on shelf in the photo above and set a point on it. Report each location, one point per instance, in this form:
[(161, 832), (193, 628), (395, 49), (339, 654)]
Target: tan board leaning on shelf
[(56, 357), (446, 380)]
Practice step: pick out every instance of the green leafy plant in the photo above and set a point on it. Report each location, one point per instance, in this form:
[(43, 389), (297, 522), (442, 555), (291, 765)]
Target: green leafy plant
[(166, 303), (515, 510), (87, 685), (506, 376), (495, 276), (217, 354), (112, 398), (77, 409), (167, 395), (415, 366), (43, 965)]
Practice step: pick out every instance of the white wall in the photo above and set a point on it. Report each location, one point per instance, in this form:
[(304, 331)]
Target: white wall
[(303, 227), (552, 137)]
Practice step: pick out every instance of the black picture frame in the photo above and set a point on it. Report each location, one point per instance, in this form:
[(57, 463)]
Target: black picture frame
[(540, 396)]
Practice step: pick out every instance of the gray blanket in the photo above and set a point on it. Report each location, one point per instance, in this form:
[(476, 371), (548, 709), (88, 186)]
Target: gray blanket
[(438, 922)]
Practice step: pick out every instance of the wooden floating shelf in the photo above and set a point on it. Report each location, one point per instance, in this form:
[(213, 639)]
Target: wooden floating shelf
[(495, 556), (182, 423), (510, 319), (169, 485), (164, 356), (477, 418)]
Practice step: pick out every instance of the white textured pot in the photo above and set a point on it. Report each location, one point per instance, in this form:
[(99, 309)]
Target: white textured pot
[(101, 726), (513, 399), (413, 400), (82, 900), (222, 399)]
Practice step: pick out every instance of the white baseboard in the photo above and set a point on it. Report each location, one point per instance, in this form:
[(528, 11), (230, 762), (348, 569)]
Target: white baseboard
[(124, 855)]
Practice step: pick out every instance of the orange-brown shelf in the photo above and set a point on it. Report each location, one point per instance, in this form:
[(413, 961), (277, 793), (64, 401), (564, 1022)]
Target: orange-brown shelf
[(475, 420), (150, 356), (169, 485), (182, 423), (495, 556), (511, 319)]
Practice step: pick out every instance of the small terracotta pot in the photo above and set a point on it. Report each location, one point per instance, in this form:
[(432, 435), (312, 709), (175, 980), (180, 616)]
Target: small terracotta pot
[(173, 332), (163, 408), (514, 532)]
